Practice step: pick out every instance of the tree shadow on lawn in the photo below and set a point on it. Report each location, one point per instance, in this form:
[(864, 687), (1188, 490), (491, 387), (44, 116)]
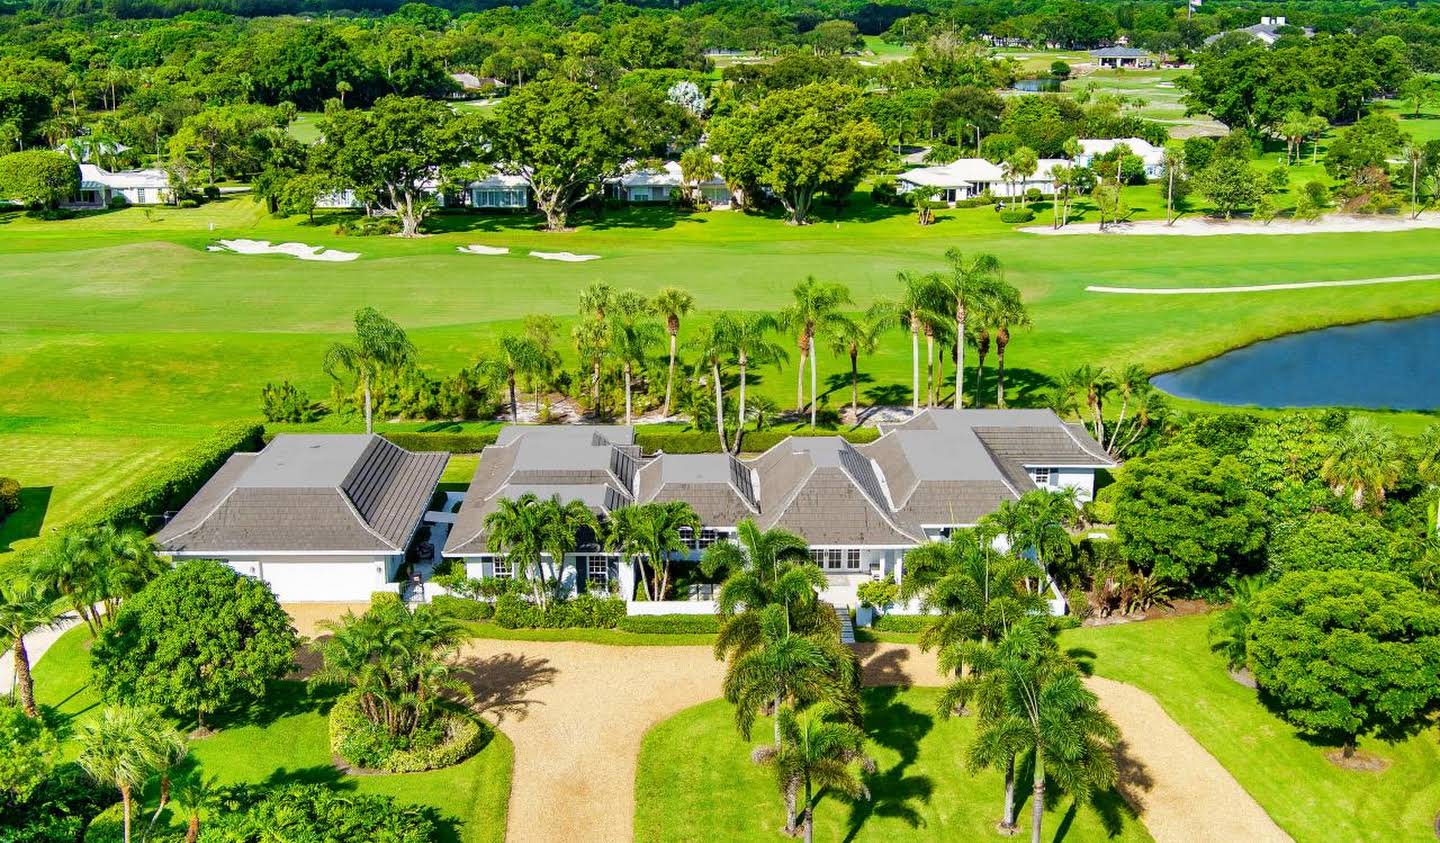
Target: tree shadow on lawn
[(502, 683), (283, 698), (893, 793), (1109, 805), (25, 522)]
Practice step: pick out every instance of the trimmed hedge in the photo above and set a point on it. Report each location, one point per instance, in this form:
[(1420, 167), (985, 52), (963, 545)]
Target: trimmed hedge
[(670, 624), (1015, 215), (673, 441), (455, 443), (462, 608), (584, 612), (902, 623), (352, 737), (9, 496)]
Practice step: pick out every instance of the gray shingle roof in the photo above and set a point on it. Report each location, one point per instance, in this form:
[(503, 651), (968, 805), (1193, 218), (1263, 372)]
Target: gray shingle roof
[(1119, 53), (309, 492)]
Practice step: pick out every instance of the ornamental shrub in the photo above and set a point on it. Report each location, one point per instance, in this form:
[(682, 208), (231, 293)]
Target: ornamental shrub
[(1017, 215), (287, 402), (902, 623), (880, 594), (258, 814), (885, 192), (675, 441), (670, 624), (117, 202), (583, 612), (462, 608), (447, 742), (57, 810), (455, 443), (9, 496)]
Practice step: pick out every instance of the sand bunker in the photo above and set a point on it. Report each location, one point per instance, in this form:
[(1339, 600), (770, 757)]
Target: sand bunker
[(1207, 227), (1258, 288), (568, 257), (295, 250), (475, 249)]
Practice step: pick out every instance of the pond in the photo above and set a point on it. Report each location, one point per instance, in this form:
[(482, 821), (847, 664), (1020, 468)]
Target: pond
[(1377, 365), (1041, 85)]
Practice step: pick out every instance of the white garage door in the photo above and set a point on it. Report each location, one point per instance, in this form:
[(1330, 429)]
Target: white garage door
[(327, 582)]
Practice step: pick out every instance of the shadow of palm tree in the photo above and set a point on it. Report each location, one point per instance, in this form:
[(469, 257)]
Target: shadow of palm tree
[(881, 667), (894, 793), (503, 683)]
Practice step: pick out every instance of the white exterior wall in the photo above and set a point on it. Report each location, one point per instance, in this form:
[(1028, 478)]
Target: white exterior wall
[(670, 607), (1082, 479), (302, 579)]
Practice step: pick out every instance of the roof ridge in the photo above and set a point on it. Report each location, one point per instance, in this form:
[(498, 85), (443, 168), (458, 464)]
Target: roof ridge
[(200, 523), (994, 458), (355, 511), (1081, 445)]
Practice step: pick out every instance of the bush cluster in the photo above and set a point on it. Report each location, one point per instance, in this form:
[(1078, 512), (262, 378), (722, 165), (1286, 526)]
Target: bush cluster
[(462, 608), (884, 191), (59, 809), (670, 624), (980, 201), (1016, 215), (368, 226), (583, 612), (901, 623), (449, 741), (9, 496), (257, 813), (286, 402)]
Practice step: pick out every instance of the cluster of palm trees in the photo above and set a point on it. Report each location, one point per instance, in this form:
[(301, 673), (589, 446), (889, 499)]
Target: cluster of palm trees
[(84, 570), (649, 535), (528, 528), (994, 635), (124, 748), (1084, 391), (784, 659)]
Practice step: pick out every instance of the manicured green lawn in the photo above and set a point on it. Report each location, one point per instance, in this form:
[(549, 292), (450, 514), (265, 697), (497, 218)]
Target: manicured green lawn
[(1308, 796), (696, 782), (284, 740), (614, 637), (123, 337)]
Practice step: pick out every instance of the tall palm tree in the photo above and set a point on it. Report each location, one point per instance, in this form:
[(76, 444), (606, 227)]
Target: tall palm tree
[(853, 337), (597, 300), (1031, 701), (818, 750), (23, 610), (1007, 311), (517, 529), (919, 302), (649, 535), (1364, 461), (764, 568), (1019, 166), (747, 337), (632, 337), (123, 747), (540, 329), (379, 346), (563, 521), (815, 306), (592, 342), (671, 303), (1174, 164), (1132, 380), (1036, 527), (711, 349), (517, 356), (970, 278), (71, 567)]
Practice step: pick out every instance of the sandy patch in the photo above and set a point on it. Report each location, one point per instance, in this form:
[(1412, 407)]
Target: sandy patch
[(1207, 227), (476, 249), (295, 250), (1258, 288), (568, 257), (307, 616)]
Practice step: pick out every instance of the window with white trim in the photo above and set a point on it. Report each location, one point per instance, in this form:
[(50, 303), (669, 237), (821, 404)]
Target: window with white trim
[(501, 568), (852, 559), (1042, 476), (597, 571)]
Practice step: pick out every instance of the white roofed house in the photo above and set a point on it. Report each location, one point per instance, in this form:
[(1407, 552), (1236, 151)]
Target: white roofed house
[(659, 184), (1153, 156), (970, 177), (1122, 57), (137, 187)]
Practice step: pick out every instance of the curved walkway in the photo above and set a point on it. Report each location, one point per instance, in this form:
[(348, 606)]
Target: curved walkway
[(1258, 288), (1180, 791)]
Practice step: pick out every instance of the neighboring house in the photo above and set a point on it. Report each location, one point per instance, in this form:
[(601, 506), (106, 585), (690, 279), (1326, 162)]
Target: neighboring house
[(659, 185), (1153, 156), (859, 507), (137, 187), (319, 517), (970, 177), (1122, 57), (470, 84), (1267, 31), (495, 192)]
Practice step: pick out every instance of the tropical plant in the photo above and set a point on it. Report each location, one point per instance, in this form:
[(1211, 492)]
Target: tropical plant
[(763, 568), (1006, 311), (592, 343), (969, 279), (632, 337), (527, 528), (1036, 527), (814, 309), (1364, 462), (853, 337), (95, 568), (711, 352), (1230, 625), (515, 356), (671, 303), (920, 303), (818, 749), (747, 337), (380, 346), (398, 662), (1018, 166), (24, 609), (649, 534), (123, 747)]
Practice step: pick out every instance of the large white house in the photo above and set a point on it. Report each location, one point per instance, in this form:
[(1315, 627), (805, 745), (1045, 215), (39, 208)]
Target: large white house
[(1153, 156), (498, 191), (970, 177), (319, 517), (137, 187), (859, 507), (659, 185)]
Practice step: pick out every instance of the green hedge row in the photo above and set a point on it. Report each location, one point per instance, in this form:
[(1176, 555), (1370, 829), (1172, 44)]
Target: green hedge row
[(462, 608), (902, 623), (673, 441), (670, 624), (455, 443), (584, 612)]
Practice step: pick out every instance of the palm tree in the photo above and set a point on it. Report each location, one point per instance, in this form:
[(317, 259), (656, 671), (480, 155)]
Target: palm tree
[(1007, 310), (764, 568), (194, 793), (671, 303), (1031, 700), (342, 88), (919, 303), (631, 340), (540, 329), (517, 529), (1131, 381), (747, 337), (815, 307), (597, 299), (123, 747), (1174, 164), (1231, 625), (1036, 527), (1414, 155), (818, 750), (72, 566), (711, 350), (854, 337), (517, 355), (1019, 166), (22, 611), (1364, 461), (592, 342), (380, 346), (649, 533), (563, 521), (969, 279)]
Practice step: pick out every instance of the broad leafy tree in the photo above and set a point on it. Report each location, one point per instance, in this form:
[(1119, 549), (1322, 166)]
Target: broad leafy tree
[(795, 142), (195, 641), (1345, 653), (38, 177), (28, 749)]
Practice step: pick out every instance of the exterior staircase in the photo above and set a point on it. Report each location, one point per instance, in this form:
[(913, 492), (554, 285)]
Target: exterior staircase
[(847, 629)]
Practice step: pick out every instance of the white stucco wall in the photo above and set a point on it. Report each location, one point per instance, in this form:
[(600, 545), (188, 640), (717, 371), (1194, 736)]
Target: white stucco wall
[(321, 579)]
